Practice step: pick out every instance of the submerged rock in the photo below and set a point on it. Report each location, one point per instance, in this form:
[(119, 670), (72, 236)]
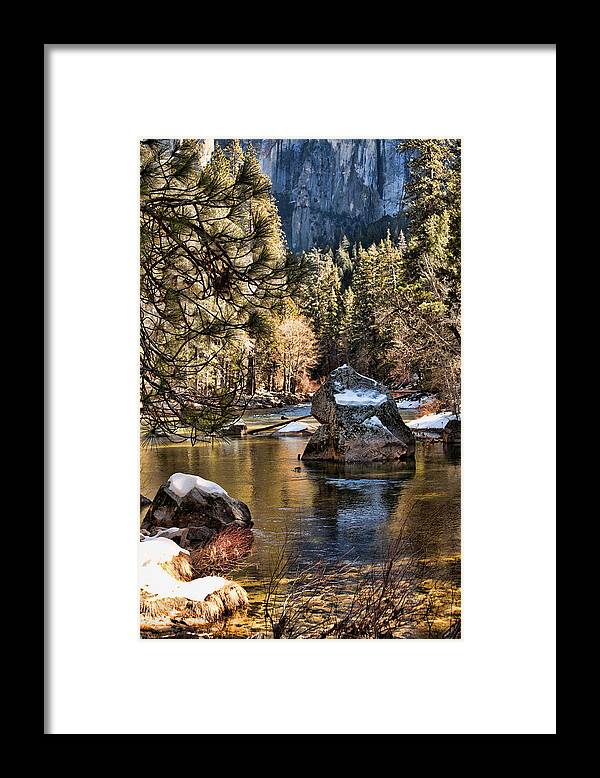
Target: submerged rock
[(360, 421), (203, 507)]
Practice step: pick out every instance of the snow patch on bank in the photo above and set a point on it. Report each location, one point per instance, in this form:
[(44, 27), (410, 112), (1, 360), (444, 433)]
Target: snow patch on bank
[(408, 404), (434, 421), (293, 426), (183, 483), (157, 550)]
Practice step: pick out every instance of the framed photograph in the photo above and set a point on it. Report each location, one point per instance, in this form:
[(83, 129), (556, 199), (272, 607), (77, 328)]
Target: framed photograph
[(293, 275)]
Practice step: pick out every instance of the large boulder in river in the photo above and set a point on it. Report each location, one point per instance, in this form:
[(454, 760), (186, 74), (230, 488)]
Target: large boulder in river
[(188, 501), (360, 421)]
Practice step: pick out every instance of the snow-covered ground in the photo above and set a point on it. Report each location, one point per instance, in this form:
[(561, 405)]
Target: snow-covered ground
[(434, 421), (411, 402), (182, 483)]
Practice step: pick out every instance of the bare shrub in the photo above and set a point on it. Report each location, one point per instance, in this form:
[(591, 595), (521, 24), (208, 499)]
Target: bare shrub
[(321, 600), (223, 552)]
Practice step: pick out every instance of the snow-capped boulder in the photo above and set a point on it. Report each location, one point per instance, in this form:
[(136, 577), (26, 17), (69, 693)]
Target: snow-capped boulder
[(189, 501), (360, 421)]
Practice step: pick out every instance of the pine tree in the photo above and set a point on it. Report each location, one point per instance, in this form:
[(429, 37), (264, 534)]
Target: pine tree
[(323, 301), (346, 322), (426, 305), (344, 263), (213, 264)]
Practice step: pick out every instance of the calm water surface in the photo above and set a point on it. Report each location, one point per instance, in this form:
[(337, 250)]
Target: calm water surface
[(336, 513)]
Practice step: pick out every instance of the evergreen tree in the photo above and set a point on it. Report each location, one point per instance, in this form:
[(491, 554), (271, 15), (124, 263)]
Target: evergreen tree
[(378, 271), (213, 264), (323, 301), (426, 305), (344, 263), (346, 322)]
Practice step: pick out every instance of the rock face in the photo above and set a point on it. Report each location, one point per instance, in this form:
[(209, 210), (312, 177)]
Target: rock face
[(451, 433), (202, 507), (326, 188), (360, 421)]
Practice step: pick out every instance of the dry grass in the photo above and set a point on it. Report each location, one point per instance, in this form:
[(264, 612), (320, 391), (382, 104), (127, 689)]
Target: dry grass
[(222, 553), (218, 605), (179, 567), (382, 600)]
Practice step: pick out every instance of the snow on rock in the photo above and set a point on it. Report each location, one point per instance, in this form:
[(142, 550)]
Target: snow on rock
[(200, 588), (293, 426), (155, 580), (157, 550), (170, 532), (373, 421), (189, 501), (434, 421), (359, 421), (183, 483), (359, 397)]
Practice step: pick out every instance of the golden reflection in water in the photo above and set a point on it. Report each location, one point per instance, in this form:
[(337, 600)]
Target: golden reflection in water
[(337, 514)]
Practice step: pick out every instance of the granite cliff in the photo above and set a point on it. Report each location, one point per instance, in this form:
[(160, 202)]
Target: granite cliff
[(327, 188)]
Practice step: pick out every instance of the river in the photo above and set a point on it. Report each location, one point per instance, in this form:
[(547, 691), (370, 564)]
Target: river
[(328, 512)]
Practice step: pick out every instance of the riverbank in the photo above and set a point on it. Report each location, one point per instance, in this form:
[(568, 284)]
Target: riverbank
[(264, 399)]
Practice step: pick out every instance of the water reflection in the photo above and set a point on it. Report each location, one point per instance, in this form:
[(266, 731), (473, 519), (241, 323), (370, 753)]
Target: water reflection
[(350, 504), (331, 512)]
